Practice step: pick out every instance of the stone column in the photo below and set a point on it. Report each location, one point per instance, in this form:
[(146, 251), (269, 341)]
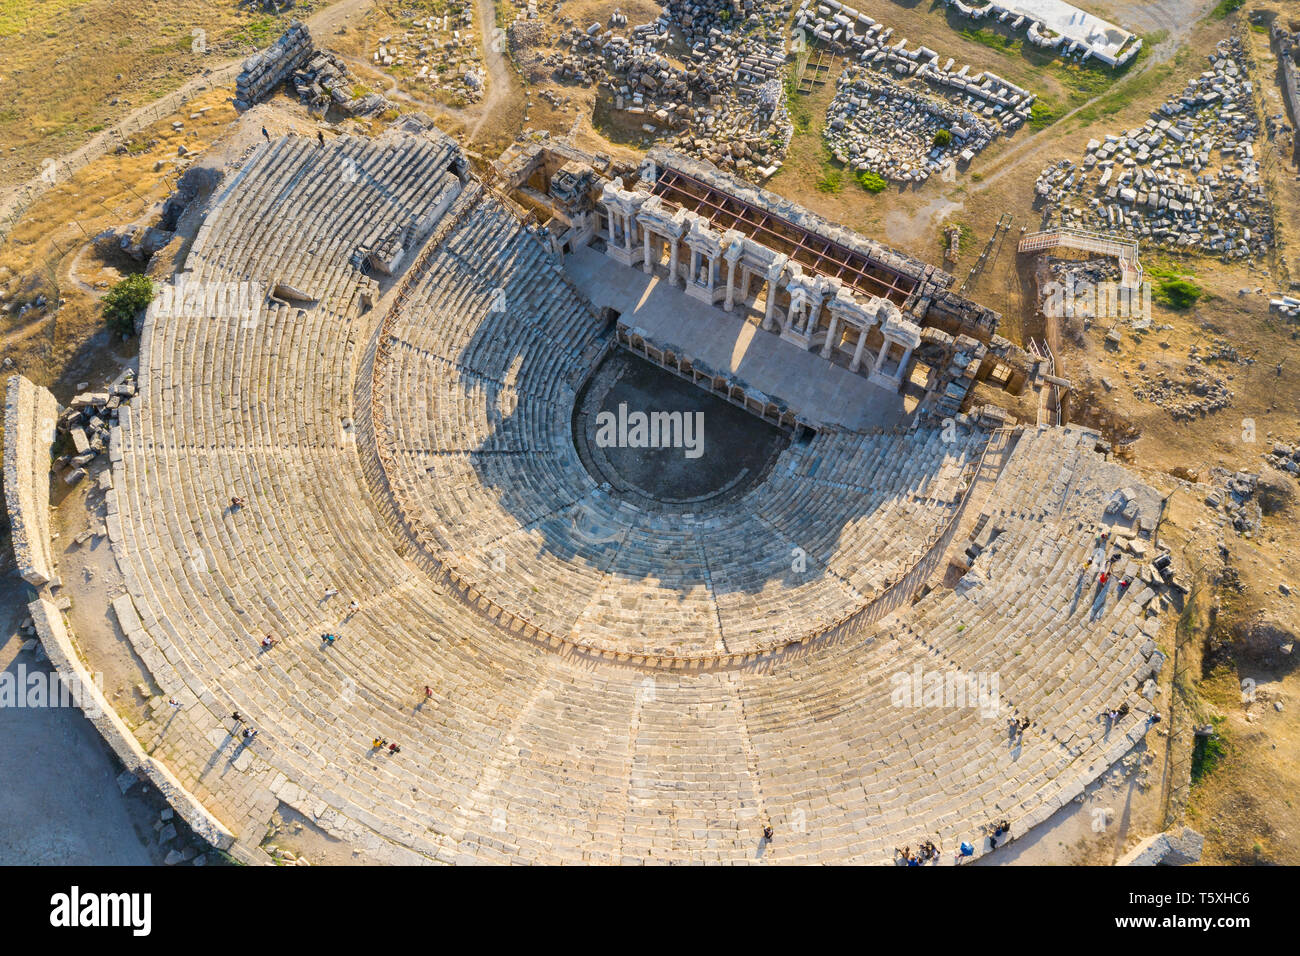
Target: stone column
[(729, 304), (813, 314), (856, 364), (797, 299), (902, 362), (829, 344), (880, 358), (769, 315), (627, 231), (672, 260), (645, 250)]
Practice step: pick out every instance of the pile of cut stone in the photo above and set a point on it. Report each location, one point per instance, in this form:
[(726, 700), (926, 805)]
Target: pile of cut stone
[(876, 124), (323, 81), (1187, 179), (319, 77), (87, 420), (722, 102), (1287, 305), (262, 72), (441, 52), (1285, 456), (1233, 493), (1070, 291), (1201, 392), (862, 121)]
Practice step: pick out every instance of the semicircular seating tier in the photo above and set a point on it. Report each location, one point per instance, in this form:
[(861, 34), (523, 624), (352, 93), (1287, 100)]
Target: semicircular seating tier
[(479, 373), (526, 749)]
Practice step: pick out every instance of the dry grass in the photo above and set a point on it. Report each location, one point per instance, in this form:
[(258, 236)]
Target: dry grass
[(54, 344), (60, 62)]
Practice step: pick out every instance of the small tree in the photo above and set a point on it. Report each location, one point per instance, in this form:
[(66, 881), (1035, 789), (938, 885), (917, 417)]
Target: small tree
[(124, 302), (942, 138)]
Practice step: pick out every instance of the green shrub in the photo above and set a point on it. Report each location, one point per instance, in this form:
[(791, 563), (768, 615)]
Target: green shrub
[(871, 182), (1042, 114), (1208, 752), (831, 180), (125, 301), (1226, 7), (942, 138), (1177, 292)]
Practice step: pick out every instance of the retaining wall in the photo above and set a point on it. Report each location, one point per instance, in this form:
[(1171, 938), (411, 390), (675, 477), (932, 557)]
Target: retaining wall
[(31, 414)]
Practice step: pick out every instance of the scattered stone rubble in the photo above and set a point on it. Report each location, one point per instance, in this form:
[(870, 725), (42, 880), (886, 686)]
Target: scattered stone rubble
[(724, 102), (86, 422), (1187, 179), (139, 243), (1200, 392), (266, 69), (1285, 456), (440, 52), (1233, 494), (323, 81), (1287, 305), (888, 107), (320, 78), (875, 124)]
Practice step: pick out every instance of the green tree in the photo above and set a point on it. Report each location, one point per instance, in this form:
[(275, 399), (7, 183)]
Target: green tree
[(125, 301), (942, 138)]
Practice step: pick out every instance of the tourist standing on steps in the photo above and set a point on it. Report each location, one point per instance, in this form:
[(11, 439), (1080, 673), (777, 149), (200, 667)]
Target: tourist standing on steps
[(1002, 829), (767, 833), (266, 135), (330, 592), (236, 502)]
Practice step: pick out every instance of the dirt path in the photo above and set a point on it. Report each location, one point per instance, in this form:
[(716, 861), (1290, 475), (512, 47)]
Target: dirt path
[(501, 79)]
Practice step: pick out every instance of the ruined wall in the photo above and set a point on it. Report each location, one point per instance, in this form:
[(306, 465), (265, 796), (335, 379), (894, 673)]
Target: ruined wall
[(30, 416), (89, 697), (266, 69), (1288, 47), (957, 315)]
